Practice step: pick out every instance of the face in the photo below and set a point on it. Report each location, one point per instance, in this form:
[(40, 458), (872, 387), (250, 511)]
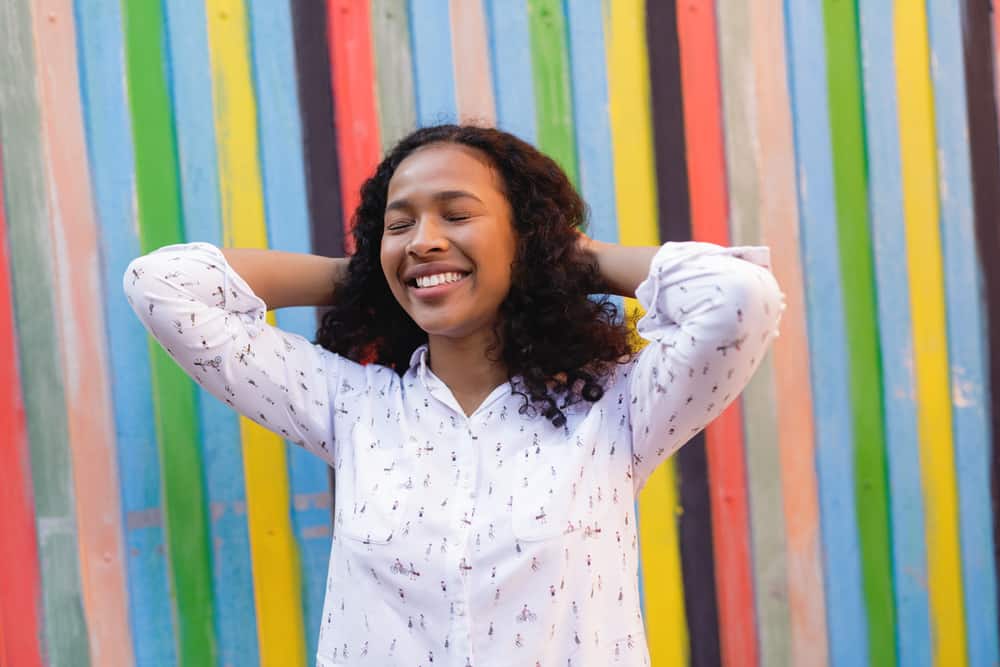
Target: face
[(448, 241)]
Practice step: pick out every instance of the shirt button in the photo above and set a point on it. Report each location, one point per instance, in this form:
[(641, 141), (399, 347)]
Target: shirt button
[(459, 608)]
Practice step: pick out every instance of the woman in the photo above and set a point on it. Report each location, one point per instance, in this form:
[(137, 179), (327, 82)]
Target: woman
[(489, 424)]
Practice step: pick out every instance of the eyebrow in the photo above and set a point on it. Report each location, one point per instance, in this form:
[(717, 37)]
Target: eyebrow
[(443, 196)]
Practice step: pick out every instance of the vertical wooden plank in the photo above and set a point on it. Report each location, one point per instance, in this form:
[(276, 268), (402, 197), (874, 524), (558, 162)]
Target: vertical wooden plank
[(698, 565), (37, 345), (287, 214), (763, 461), (312, 59), (724, 437), (353, 72), (432, 62), (635, 193), (510, 46), (473, 83), (923, 249), (21, 603), (160, 218), (219, 442), (393, 71), (109, 140), (550, 68), (980, 47), (849, 172), (895, 333), (779, 220), (967, 343), (276, 574), (846, 614)]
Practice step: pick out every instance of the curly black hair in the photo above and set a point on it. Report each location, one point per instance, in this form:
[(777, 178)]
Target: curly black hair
[(560, 342)]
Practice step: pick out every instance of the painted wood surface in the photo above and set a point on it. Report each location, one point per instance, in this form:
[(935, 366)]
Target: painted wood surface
[(895, 331), (843, 76), (64, 628), (796, 437), (790, 119)]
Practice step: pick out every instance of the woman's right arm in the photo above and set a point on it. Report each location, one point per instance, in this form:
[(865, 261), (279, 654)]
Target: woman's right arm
[(209, 317)]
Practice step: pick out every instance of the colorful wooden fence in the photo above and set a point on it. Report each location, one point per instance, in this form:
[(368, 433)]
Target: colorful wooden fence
[(843, 512)]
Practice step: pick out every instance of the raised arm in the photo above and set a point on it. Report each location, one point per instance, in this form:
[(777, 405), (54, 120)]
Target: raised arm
[(711, 314), (213, 324)]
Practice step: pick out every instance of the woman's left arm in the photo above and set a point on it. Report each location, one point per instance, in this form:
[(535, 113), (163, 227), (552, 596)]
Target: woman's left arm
[(711, 314)]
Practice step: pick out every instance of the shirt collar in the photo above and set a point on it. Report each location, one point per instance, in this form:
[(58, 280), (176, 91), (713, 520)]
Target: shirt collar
[(419, 359)]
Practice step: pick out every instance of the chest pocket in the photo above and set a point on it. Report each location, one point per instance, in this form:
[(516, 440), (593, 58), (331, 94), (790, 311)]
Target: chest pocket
[(563, 487), (381, 489)]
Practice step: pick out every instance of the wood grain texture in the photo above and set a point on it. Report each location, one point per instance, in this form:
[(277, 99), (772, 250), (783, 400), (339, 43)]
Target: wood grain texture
[(277, 577), (287, 214), (510, 47), (393, 71), (847, 625), (909, 551), (843, 75), (219, 436), (160, 218), (796, 437), (64, 627), (471, 63), (432, 62), (923, 249), (550, 68), (966, 328), (21, 603), (980, 47), (353, 76), (725, 449), (635, 196), (100, 43), (760, 406)]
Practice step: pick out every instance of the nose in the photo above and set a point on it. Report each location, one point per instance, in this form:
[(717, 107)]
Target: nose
[(427, 236)]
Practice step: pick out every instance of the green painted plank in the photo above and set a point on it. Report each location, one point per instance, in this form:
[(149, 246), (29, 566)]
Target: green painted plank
[(177, 426), (394, 71), (857, 272), (65, 630), (553, 95)]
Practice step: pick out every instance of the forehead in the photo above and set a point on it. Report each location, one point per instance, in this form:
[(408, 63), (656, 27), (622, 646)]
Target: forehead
[(444, 167)]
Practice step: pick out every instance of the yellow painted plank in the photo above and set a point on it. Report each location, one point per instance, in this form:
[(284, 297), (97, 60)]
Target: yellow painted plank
[(635, 191), (927, 307), (276, 573)]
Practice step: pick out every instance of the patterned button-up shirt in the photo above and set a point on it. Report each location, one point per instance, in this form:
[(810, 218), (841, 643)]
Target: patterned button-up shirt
[(494, 539)]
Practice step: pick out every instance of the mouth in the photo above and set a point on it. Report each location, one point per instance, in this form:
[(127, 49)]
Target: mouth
[(435, 291)]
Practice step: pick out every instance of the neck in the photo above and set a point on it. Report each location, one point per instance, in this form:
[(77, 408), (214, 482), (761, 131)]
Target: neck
[(463, 365)]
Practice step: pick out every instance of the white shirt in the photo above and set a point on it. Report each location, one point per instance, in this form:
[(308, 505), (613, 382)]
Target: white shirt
[(493, 539)]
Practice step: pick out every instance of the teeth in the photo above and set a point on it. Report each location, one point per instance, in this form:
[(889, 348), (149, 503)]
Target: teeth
[(438, 279)]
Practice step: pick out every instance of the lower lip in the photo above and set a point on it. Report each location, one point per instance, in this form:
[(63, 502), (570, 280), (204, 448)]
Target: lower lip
[(437, 290)]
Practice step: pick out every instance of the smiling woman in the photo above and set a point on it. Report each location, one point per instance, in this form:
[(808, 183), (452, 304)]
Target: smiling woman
[(489, 424)]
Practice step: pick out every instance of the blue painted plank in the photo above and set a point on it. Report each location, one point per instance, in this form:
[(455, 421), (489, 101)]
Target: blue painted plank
[(513, 88), (287, 213), (433, 74), (109, 146), (222, 454), (828, 343), (906, 502), (967, 338)]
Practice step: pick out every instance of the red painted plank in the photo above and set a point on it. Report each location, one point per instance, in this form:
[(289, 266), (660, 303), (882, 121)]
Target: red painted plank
[(697, 33), (20, 580), (352, 72)]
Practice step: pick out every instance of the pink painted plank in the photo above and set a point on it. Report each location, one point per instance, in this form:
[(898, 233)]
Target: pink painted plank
[(471, 63)]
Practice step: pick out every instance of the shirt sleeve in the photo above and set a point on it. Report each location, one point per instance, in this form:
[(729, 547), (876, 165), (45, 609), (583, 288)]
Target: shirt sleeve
[(711, 314), (212, 324)]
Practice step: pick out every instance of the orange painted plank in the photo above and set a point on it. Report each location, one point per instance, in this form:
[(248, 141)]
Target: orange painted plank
[(778, 214), (352, 74), (696, 28), (77, 286)]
